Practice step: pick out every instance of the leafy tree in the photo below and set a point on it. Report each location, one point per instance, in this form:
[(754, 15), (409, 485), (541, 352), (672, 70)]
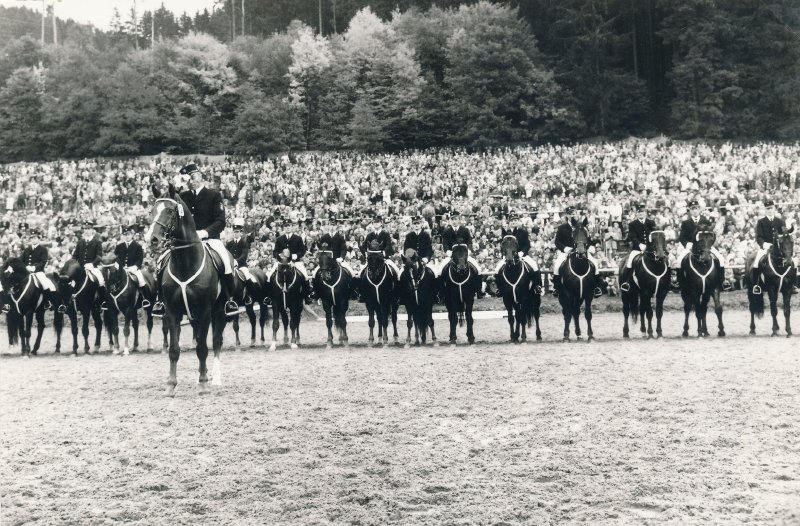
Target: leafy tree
[(265, 124), (21, 114), (311, 56)]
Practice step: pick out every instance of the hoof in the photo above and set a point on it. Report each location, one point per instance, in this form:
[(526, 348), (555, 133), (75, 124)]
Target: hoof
[(752, 332), (236, 348), (252, 343), (659, 336), (293, 346), (721, 334), (685, 334), (626, 336), (203, 388), (578, 338), (788, 334), (170, 391), (590, 339), (435, 344), (329, 346), (538, 337), (774, 333), (272, 346), (125, 352), (565, 339), (407, 346)]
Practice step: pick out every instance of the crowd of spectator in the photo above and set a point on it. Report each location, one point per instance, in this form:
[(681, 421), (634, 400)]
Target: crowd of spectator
[(603, 180)]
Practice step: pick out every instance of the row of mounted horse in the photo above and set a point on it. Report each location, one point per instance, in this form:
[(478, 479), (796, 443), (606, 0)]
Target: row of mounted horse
[(191, 288)]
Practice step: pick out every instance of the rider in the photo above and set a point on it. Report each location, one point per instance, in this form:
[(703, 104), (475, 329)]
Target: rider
[(205, 204), (379, 234), (638, 233), (238, 245), (334, 240), (460, 235), (523, 244), (88, 253), (296, 245), (768, 228), (35, 256), (419, 240), (688, 235), (130, 256), (564, 245)]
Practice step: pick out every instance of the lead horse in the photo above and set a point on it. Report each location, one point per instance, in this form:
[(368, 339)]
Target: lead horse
[(578, 282), (699, 282), (650, 280), (190, 286), (779, 275)]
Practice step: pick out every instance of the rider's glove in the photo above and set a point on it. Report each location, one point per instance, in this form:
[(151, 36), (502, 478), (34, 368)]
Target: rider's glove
[(592, 249), (519, 253), (339, 260), (567, 250), (449, 253), (30, 268), (689, 245), (642, 246), (203, 234), (89, 265), (425, 260), (294, 257), (766, 246)]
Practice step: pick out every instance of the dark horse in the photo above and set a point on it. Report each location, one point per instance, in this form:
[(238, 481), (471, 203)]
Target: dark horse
[(378, 291), (286, 286), (461, 283), (650, 279), (578, 277), (25, 300), (516, 284), (332, 286), (190, 286), (418, 288), (123, 297), (78, 295), (778, 274), (699, 282), (250, 292)]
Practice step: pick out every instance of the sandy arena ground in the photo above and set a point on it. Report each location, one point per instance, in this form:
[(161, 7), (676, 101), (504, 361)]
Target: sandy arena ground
[(684, 431)]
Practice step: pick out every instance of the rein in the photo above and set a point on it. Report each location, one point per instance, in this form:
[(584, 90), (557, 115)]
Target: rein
[(284, 288)]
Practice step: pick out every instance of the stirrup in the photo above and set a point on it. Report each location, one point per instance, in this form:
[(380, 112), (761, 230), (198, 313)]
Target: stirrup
[(145, 303), (104, 306), (158, 310), (6, 309), (48, 305), (231, 308), (248, 300), (598, 292), (266, 301), (625, 286), (757, 290)]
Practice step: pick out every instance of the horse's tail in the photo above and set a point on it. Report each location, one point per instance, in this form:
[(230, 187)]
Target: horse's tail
[(755, 302)]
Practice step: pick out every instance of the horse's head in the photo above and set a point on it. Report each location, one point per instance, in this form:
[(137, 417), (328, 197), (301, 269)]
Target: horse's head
[(70, 277), (375, 256), (704, 241), (657, 244), (784, 245), (459, 257), (580, 237), (412, 263), (13, 273), (327, 263), (509, 248), (172, 222), (113, 275)]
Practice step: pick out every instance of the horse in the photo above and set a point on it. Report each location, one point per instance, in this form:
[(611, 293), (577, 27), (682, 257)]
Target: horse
[(650, 279), (332, 286), (78, 295), (699, 282), (190, 286), (513, 282), (461, 283), (778, 275), (286, 288), (123, 297), (25, 300), (378, 291), (250, 293), (418, 287), (578, 276)]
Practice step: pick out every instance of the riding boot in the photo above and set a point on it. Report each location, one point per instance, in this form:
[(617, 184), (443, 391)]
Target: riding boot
[(625, 280), (556, 285), (755, 277), (158, 310), (231, 307)]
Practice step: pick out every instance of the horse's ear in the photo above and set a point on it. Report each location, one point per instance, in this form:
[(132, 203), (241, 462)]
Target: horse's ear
[(172, 191), (155, 191), (585, 221)]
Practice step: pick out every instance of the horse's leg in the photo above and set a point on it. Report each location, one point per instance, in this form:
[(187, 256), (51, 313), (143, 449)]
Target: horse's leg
[(409, 325), (328, 308), (262, 320), (134, 321), (39, 330), (73, 326), (218, 322), (452, 316), (510, 316), (294, 325), (773, 309), (394, 308), (285, 320), (787, 310), (251, 315), (642, 312), (85, 331), (167, 335), (718, 312), (647, 301), (58, 325), (587, 313), (700, 314), (149, 324), (659, 313), (201, 349), (276, 323), (171, 325), (626, 311), (566, 312), (27, 322), (522, 318), (470, 322), (431, 325), (371, 323), (687, 310), (576, 317), (236, 332)]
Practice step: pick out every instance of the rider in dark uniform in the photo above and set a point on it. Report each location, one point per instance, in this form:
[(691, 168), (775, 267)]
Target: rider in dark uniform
[(379, 234), (419, 240), (688, 235), (238, 245), (130, 256), (523, 238), (294, 242), (564, 245), (88, 253), (767, 229), (208, 212), (638, 233), (35, 256)]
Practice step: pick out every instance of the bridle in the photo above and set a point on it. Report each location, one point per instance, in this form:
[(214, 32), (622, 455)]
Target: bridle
[(170, 227)]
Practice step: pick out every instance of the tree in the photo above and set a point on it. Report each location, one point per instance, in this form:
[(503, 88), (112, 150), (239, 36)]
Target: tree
[(20, 115), (24, 52), (366, 131), (265, 124), (311, 56)]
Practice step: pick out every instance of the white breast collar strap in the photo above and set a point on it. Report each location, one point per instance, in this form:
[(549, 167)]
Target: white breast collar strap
[(782, 276), (332, 287), (580, 278), (377, 286), (703, 277), (657, 277), (183, 284), (460, 292), (514, 285), (116, 297), (22, 294)]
